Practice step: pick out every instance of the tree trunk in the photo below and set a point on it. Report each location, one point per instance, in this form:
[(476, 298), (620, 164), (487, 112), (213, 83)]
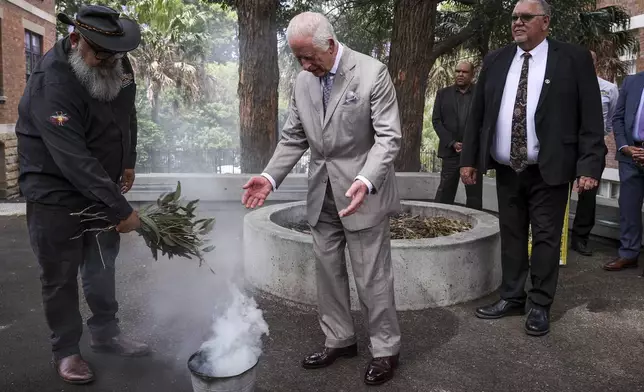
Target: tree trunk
[(258, 82), (409, 65), (155, 105)]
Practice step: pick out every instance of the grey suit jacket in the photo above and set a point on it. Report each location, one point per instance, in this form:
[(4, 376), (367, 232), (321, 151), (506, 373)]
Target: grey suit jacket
[(360, 135)]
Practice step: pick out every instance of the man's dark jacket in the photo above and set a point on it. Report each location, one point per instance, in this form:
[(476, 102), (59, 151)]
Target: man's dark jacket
[(445, 120), (568, 120), (625, 118), (73, 148)]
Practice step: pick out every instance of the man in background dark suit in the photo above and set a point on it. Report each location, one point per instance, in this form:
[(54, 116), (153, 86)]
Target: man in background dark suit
[(451, 108), (536, 118), (628, 126)]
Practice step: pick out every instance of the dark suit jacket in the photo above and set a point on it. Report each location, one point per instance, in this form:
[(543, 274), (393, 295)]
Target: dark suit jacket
[(626, 113), (445, 120), (568, 119)]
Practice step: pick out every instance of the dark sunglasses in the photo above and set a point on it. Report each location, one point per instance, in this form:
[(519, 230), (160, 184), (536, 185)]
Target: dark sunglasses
[(525, 18), (100, 53)]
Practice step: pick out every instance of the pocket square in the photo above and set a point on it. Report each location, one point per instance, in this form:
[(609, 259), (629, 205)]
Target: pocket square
[(350, 97)]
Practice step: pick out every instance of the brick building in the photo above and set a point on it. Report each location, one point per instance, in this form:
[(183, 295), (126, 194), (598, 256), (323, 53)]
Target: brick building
[(27, 31)]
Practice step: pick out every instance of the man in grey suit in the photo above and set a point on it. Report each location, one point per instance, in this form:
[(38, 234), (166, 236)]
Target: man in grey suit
[(343, 108)]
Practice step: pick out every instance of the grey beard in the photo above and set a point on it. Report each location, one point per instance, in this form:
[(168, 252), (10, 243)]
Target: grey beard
[(102, 83)]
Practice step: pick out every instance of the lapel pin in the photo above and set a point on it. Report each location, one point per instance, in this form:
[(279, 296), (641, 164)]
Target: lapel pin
[(547, 81)]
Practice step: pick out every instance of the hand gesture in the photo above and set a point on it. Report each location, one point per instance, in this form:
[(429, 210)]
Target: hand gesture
[(357, 193), (127, 180), (586, 184), (131, 223), (638, 155), (468, 175), (458, 147), (257, 190)]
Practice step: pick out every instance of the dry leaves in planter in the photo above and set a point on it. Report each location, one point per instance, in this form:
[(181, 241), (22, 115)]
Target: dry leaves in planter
[(410, 227), (414, 227)]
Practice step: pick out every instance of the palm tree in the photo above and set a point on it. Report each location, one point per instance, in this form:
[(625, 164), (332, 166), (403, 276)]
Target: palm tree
[(173, 50), (605, 31)]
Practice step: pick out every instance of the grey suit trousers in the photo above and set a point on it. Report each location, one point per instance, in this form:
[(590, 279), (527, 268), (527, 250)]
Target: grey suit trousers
[(370, 253)]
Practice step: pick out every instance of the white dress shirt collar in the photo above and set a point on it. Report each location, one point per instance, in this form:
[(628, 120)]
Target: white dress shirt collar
[(338, 57), (538, 51)]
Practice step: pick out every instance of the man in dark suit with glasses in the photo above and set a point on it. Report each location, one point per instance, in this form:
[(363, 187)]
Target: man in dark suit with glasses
[(536, 118)]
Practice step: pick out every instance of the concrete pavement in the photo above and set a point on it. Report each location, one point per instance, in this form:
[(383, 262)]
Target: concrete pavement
[(596, 342)]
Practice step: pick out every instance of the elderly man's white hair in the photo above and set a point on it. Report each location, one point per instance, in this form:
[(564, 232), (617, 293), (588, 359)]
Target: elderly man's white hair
[(311, 24)]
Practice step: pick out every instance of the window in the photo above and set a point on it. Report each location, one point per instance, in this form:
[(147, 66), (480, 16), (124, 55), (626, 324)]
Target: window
[(33, 50)]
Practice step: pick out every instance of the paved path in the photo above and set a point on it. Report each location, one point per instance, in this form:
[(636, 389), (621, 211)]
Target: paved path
[(596, 343)]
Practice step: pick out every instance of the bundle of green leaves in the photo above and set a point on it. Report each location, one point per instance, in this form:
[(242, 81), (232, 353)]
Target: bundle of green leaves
[(172, 228), (169, 226)]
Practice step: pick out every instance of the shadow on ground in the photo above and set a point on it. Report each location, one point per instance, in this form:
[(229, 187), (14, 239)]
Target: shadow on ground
[(596, 343)]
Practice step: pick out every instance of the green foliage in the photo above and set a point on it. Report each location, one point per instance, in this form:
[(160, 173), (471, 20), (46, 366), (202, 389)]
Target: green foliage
[(171, 227), (186, 76), (149, 134), (187, 69), (205, 124), (364, 26)]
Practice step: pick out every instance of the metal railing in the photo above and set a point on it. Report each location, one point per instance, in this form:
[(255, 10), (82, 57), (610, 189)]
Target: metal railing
[(227, 161)]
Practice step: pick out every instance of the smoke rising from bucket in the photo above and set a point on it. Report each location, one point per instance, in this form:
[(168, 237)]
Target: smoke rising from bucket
[(236, 344)]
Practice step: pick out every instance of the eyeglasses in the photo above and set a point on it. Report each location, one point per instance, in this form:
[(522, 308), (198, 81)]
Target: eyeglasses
[(102, 54), (525, 18)]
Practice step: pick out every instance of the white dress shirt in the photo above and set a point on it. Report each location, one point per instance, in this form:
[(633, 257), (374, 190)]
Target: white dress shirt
[(610, 94), (333, 71), (536, 74)]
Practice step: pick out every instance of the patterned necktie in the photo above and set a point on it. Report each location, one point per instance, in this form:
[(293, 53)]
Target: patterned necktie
[(327, 82), (519, 144)]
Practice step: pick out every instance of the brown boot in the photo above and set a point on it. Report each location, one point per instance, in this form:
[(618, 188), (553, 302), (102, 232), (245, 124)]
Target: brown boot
[(74, 370), (120, 345), (619, 264)]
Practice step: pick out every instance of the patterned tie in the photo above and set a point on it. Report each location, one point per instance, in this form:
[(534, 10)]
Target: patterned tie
[(327, 82), (519, 144)]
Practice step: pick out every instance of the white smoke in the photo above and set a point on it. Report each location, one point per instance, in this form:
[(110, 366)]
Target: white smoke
[(237, 337)]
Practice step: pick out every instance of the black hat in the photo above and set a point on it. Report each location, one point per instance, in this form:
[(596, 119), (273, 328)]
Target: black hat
[(105, 28)]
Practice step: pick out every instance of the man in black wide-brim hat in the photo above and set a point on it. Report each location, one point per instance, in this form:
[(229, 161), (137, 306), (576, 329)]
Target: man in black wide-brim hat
[(76, 132)]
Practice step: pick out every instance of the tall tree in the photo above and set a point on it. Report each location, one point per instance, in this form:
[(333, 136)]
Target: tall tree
[(259, 21), (409, 65), (258, 82), (172, 50), (414, 50)]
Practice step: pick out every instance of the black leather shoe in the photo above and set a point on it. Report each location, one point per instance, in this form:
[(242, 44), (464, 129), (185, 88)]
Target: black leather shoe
[(581, 247), (381, 370), (537, 323), (501, 308), (328, 355)]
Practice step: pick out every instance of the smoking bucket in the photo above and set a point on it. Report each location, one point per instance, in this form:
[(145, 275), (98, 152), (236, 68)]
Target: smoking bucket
[(202, 382)]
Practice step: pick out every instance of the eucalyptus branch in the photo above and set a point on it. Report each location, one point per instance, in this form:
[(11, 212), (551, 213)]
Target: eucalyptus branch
[(94, 230), (167, 226)]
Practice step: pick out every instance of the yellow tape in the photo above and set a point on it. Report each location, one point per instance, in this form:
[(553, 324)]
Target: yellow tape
[(563, 253)]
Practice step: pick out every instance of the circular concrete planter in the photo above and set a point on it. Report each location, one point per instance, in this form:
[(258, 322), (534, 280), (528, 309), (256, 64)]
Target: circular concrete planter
[(428, 273)]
